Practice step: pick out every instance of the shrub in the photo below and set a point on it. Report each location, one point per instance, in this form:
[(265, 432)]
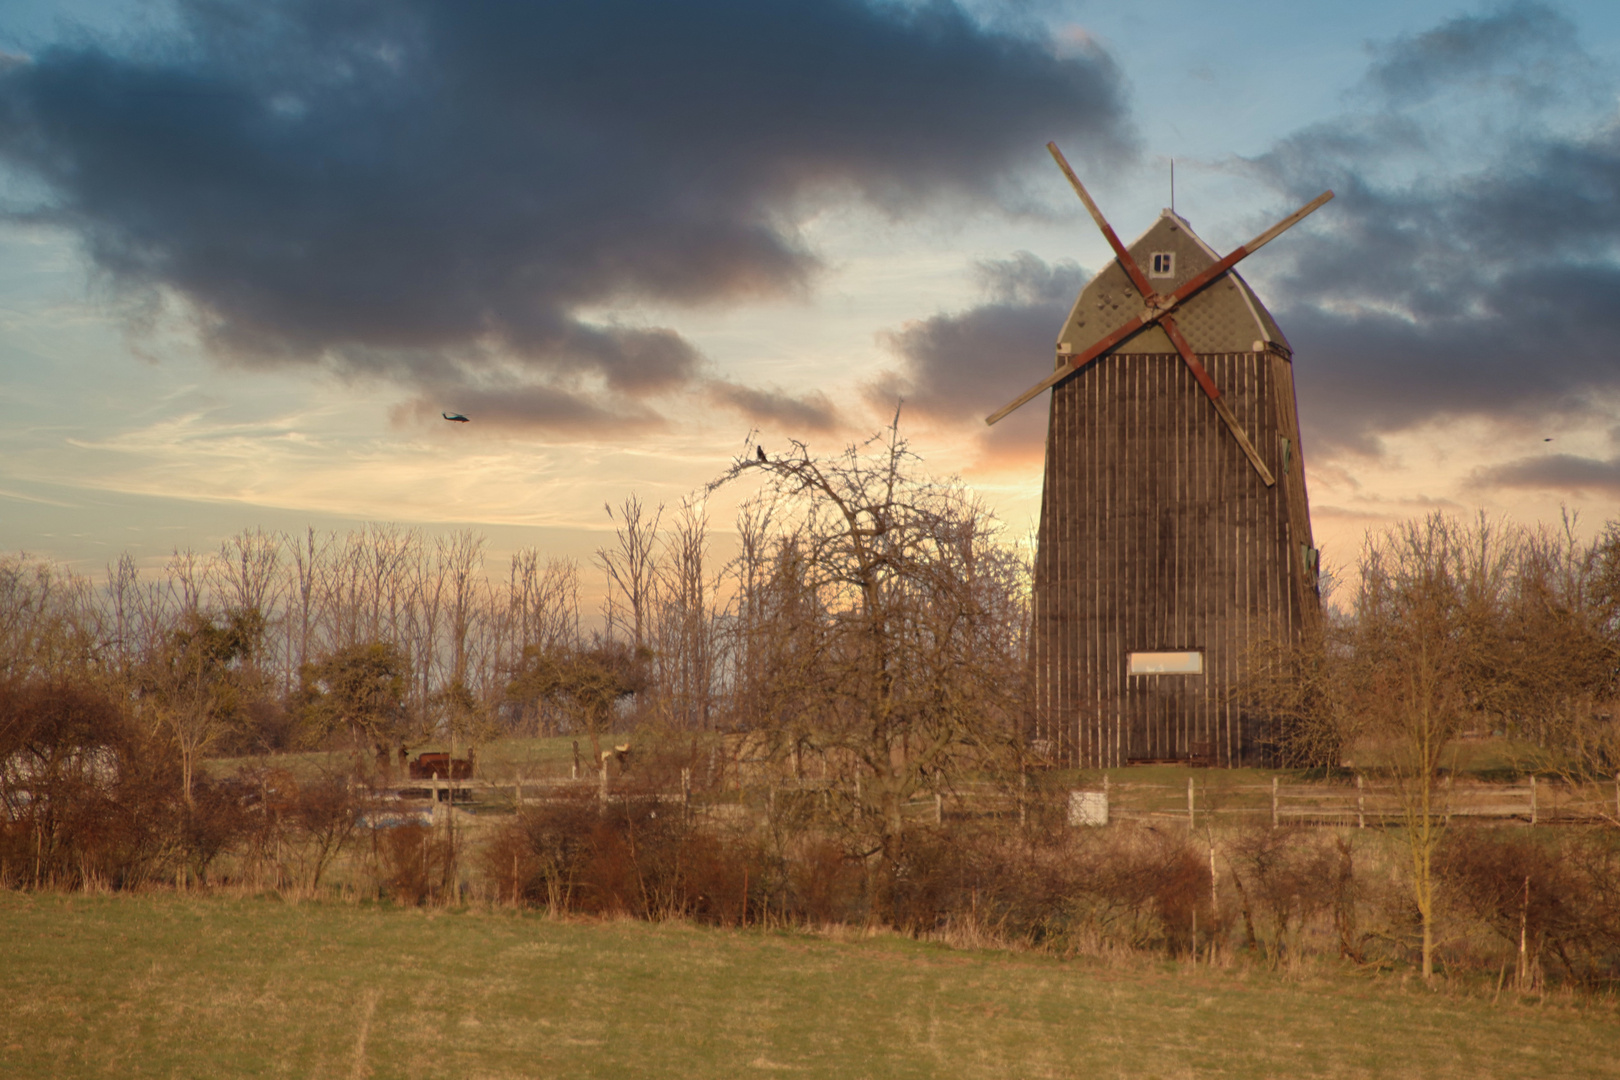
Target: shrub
[(414, 858), (87, 796), (634, 856), (1287, 877), (1539, 894)]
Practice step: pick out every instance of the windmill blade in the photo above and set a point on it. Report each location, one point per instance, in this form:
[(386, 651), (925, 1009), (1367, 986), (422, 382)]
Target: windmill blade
[(1213, 392), (1203, 278), (1076, 362), (1156, 313), (1121, 253)]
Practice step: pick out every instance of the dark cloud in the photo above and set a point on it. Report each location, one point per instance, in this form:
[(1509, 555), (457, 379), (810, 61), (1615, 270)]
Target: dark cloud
[(959, 366), (1563, 473), (391, 185), (1432, 288), (811, 412), (1525, 50)]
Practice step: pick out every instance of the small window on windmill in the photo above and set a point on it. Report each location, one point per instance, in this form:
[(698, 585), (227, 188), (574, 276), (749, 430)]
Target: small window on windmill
[(1163, 264), (1310, 558), (1167, 663)]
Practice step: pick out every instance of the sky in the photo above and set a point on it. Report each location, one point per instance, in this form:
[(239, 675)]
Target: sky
[(251, 251)]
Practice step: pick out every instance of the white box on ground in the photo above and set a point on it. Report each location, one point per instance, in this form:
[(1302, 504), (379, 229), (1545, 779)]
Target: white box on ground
[(1088, 808)]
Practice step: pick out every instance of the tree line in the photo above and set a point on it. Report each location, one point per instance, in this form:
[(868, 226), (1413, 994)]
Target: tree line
[(859, 594), (1455, 628)]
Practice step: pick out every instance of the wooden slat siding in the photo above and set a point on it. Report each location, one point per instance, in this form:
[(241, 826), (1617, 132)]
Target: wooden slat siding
[(1308, 609), (1225, 577), (1093, 511), (1244, 555), (1155, 533), (1119, 585), (1115, 467), (1048, 587), (1202, 560), (1076, 634)]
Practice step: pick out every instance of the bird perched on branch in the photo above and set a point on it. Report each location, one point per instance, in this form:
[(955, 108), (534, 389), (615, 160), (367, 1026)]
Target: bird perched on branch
[(759, 451), (457, 417)]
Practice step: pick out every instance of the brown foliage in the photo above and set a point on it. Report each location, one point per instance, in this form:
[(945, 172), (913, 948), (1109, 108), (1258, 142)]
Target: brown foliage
[(1288, 877), (634, 856), (1540, 894), (413, 857), (89, 798)]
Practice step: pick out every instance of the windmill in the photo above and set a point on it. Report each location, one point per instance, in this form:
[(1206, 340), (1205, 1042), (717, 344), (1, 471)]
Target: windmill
[(1174, 526)]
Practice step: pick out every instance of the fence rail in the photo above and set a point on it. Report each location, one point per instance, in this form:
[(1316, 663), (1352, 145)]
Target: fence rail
[(1359, 803), (1362, 803)]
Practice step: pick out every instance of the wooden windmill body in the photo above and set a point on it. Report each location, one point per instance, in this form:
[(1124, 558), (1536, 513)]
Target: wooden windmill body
[(1174, 526)]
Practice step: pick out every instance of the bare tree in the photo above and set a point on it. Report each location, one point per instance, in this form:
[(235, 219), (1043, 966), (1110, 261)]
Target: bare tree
[(741, 634), (632, 564), (1422, 660), (1293, 684), (308, 576), (542, 620), (885, 630), (246, 572), (684, 628), (49, 624), (1560, 653)]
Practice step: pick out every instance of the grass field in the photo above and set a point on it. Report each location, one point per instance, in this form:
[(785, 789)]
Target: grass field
[(158, 985), (502, 759)]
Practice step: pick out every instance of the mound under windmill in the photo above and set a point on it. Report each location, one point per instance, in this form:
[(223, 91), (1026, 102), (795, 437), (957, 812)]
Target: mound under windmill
[(1174, 527)]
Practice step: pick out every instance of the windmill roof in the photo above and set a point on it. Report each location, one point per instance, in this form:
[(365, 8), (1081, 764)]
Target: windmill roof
[(1225, 317)]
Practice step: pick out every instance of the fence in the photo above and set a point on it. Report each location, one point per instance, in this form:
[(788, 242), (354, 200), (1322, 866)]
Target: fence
[(1360, 802), (1206, 796)]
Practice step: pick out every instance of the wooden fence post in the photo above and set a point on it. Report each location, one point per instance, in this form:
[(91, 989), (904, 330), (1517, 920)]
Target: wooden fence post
[(686, 795), (939, 809), (1532, 798), (1274, 781), (1189, 804), (602, 792), (1361, 802), (1214, 893)]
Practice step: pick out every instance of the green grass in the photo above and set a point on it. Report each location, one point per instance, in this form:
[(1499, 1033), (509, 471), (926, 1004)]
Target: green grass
[(1493, 759), (503, 759), (159, 985)]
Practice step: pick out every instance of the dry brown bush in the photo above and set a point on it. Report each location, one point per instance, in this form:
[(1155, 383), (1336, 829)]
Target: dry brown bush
[(1544, 896), (826, 883), (1288, 878), (632, 856), (90, 799), (413, 858)]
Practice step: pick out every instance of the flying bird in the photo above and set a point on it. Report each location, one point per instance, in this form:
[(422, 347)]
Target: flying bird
[(760, 452), (457, 417)]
